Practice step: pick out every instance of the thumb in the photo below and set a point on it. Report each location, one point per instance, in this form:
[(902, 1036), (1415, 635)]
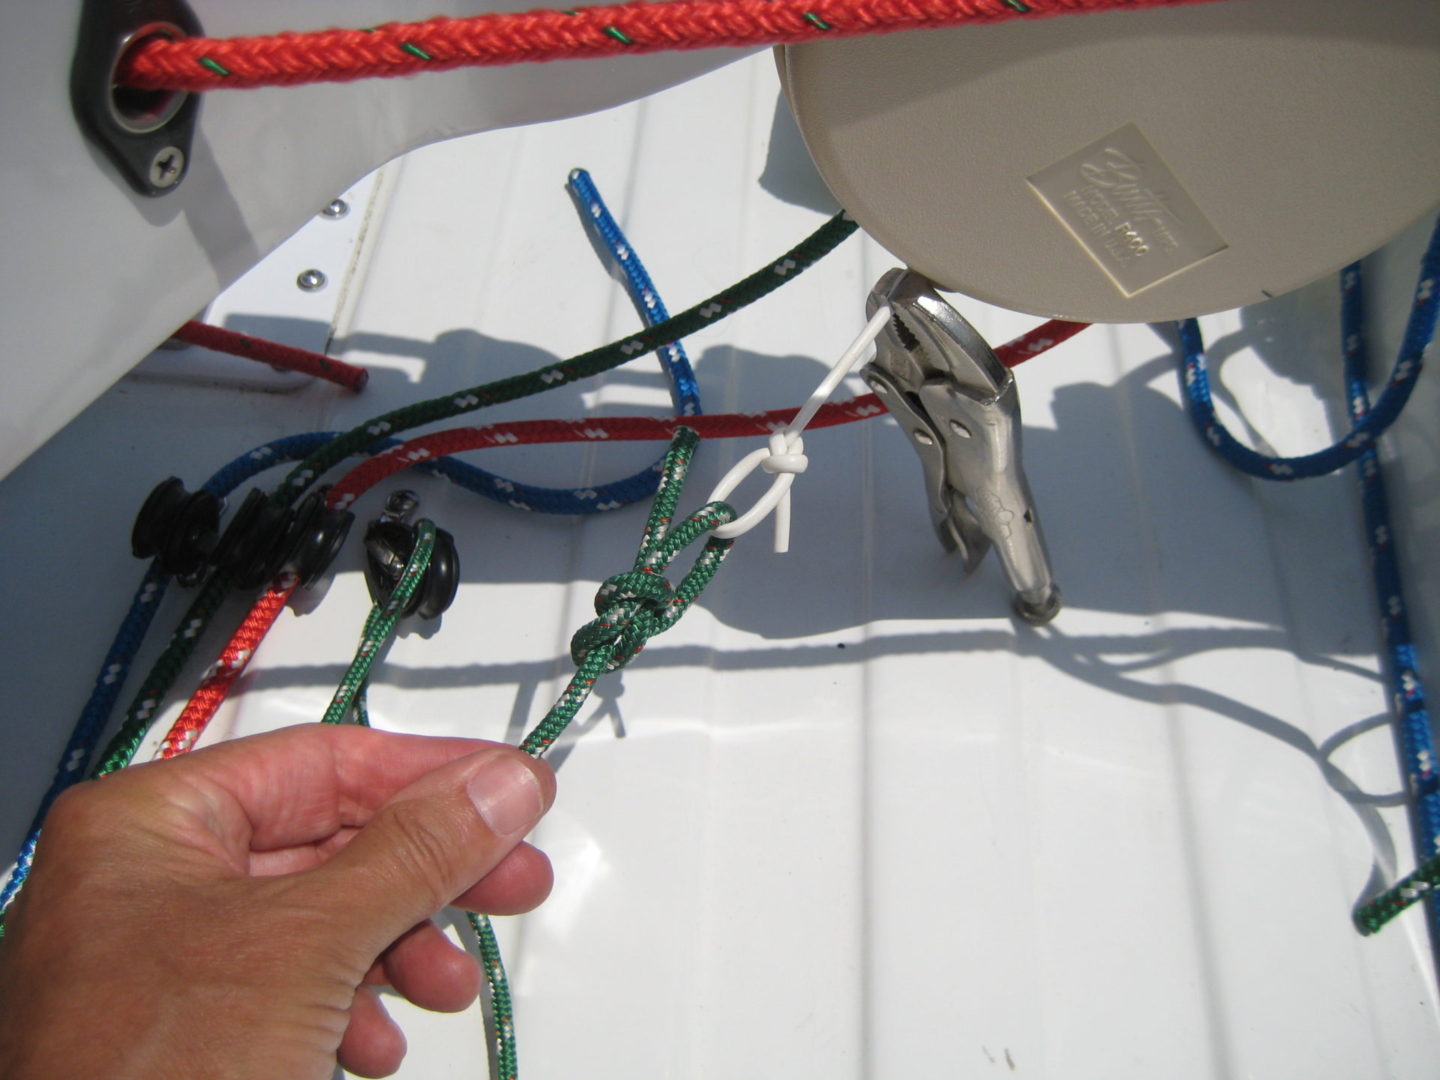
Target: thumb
[(432, 841)]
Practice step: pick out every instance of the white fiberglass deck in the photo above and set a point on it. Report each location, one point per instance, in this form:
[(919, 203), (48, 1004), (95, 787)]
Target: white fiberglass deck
[(848, 819)]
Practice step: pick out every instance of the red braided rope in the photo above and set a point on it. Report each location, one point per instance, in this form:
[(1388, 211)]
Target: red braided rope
[(222, 675), (439, 44), (237, 654), (273, 353), (593, 429), (647, 428), (1034, 342)]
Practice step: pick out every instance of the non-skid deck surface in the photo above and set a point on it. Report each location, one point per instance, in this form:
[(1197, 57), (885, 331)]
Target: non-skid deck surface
[(848, 819)]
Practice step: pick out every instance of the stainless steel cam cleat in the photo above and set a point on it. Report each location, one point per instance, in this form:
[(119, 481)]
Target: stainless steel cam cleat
[(959, 406)]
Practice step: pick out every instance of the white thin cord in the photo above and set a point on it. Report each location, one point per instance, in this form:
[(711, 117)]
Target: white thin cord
[(785, 456)]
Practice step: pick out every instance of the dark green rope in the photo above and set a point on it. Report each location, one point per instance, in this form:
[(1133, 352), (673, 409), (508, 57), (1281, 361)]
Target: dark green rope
[(379, 628), (1411, 889), (138, 718), (688, 322)]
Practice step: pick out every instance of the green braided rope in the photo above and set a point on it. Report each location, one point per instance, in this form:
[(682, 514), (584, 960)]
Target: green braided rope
[(380, 627), (1415, 886), (544, 734), (350, 694), (659, 546), (502, 1008), (140, 715), (362, 702), (635, 606), (630, 608)]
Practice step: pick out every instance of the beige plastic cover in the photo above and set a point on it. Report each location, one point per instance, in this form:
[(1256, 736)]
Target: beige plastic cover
[(1133, 166)]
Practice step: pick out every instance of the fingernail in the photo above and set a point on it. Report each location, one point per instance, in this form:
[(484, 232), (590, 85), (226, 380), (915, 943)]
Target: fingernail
[(507, 795)]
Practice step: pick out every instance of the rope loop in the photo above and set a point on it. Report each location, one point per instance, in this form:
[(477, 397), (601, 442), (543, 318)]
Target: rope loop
[(1368, 422), (633, 606), (646, 586), (784, 459)]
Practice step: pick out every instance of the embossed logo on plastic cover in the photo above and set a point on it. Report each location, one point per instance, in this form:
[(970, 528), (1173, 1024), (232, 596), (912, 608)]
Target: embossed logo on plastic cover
[(1127, 210)]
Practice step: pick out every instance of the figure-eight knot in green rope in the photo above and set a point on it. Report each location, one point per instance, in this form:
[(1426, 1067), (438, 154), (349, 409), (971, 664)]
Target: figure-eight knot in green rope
[(630, 608), (634, 606)]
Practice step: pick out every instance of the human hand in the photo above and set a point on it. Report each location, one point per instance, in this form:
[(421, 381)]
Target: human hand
[(227, 913)]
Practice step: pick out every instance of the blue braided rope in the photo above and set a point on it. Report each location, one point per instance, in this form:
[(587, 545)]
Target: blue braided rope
[(1195, 383), (684, 391), (254, 462), (591, 500), (75, 758), (1416, 739), (85, 736), (601, 497)]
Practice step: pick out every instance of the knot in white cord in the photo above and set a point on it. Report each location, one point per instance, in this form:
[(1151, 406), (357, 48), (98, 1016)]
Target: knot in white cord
[(785, 457), (782, 459)]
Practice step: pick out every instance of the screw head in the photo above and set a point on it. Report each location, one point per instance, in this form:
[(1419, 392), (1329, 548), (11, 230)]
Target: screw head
[(960, 429), (400, 505), (311, 280), (335, 209), (167, 166)]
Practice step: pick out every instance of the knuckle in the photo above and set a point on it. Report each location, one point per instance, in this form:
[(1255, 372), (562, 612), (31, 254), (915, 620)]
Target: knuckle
[(423, 851), (78, 810)]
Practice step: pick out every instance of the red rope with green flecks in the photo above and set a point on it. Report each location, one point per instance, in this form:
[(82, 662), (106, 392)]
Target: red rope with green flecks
[(442, 44), (643, 428)]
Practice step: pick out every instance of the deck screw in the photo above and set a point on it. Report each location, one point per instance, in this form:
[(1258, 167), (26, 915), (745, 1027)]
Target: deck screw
[(167, 166), (311, 280), (336, 209)]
